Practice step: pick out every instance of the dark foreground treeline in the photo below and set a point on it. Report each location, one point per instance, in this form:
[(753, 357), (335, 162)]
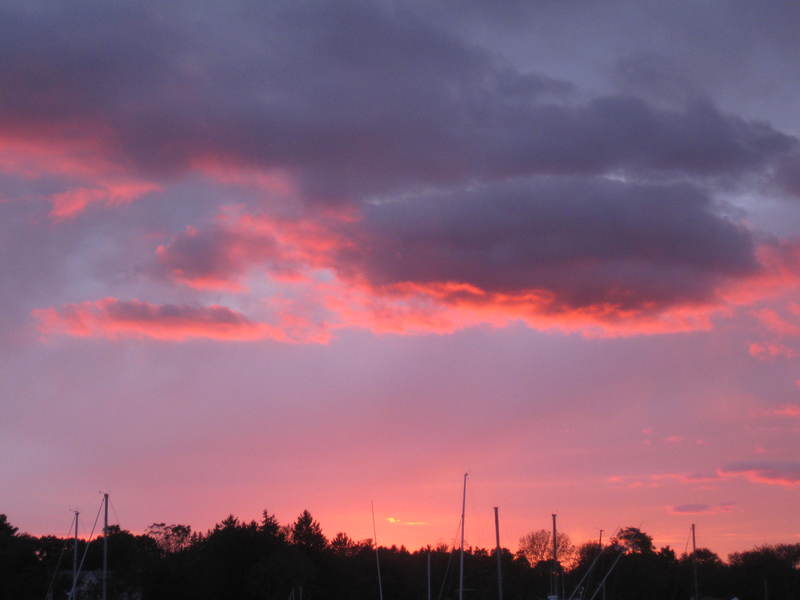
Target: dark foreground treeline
[(264, 560)]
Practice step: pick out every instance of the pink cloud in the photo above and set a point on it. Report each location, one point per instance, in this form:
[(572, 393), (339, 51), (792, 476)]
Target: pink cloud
[(788, 410), (112, 318), (768, 350), (770, 473), (634, 482), (703, 477), (780, 271), (776, 323), (219, 257), (448, 306), (70, 203), (96, 179)]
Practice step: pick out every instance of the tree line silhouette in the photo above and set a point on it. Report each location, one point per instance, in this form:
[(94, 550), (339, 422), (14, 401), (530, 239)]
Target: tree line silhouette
[(266, 560)]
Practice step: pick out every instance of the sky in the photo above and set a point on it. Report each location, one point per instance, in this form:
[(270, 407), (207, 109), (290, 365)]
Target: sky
[(295, 255)]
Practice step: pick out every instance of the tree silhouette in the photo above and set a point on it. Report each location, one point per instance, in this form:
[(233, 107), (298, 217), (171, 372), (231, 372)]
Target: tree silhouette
[(633, 540), (170, 538), (21, 572), (6, 529), (270, 526), (307, 533), (537, 546), (773, 568), (241, 560), (343, 544)]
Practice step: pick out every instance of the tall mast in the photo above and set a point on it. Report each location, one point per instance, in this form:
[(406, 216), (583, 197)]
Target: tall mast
[(105, 546), (377, 556), (499, 563), (74, 559), (601, 549), (429, 573), (694, 565), (461, 565), (554, 580)]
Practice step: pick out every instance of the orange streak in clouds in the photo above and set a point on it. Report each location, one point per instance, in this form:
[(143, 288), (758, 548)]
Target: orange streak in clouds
[(69, 204), (26, 156), (274, 181), (103, 181), (774, 322), (445, 307), (440, 307), (780, 272)]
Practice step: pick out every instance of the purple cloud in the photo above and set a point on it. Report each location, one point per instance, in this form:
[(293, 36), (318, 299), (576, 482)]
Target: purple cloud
[(769, 472)]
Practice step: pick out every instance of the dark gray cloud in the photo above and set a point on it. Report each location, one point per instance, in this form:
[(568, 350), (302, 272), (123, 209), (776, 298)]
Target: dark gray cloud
[(787, 175), (583, 241), (588, 241), (699, 509), (737, 51), (463, 162), (354, 99), (218, 256)]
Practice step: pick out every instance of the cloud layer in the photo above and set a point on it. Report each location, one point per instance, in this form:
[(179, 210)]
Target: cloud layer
[(432, 173), (285, 87)]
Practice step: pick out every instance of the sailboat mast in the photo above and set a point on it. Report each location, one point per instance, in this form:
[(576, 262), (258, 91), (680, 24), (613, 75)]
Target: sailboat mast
[(554, 580), (603, 581), (74, 558), (429, 573), (461, 565), (694, 564), (499, 562), (105, 546), (377, 556), (600, 544)]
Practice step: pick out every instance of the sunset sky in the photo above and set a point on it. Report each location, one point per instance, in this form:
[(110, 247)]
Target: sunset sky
[(287, 255)]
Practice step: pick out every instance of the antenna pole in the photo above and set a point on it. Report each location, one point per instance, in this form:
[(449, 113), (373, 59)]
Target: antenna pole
[(105, 546), (600, 543), (554, 580), (694, 564), (461, 565), (74, 559), (429, 573), (377, 556), (499, 563)]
